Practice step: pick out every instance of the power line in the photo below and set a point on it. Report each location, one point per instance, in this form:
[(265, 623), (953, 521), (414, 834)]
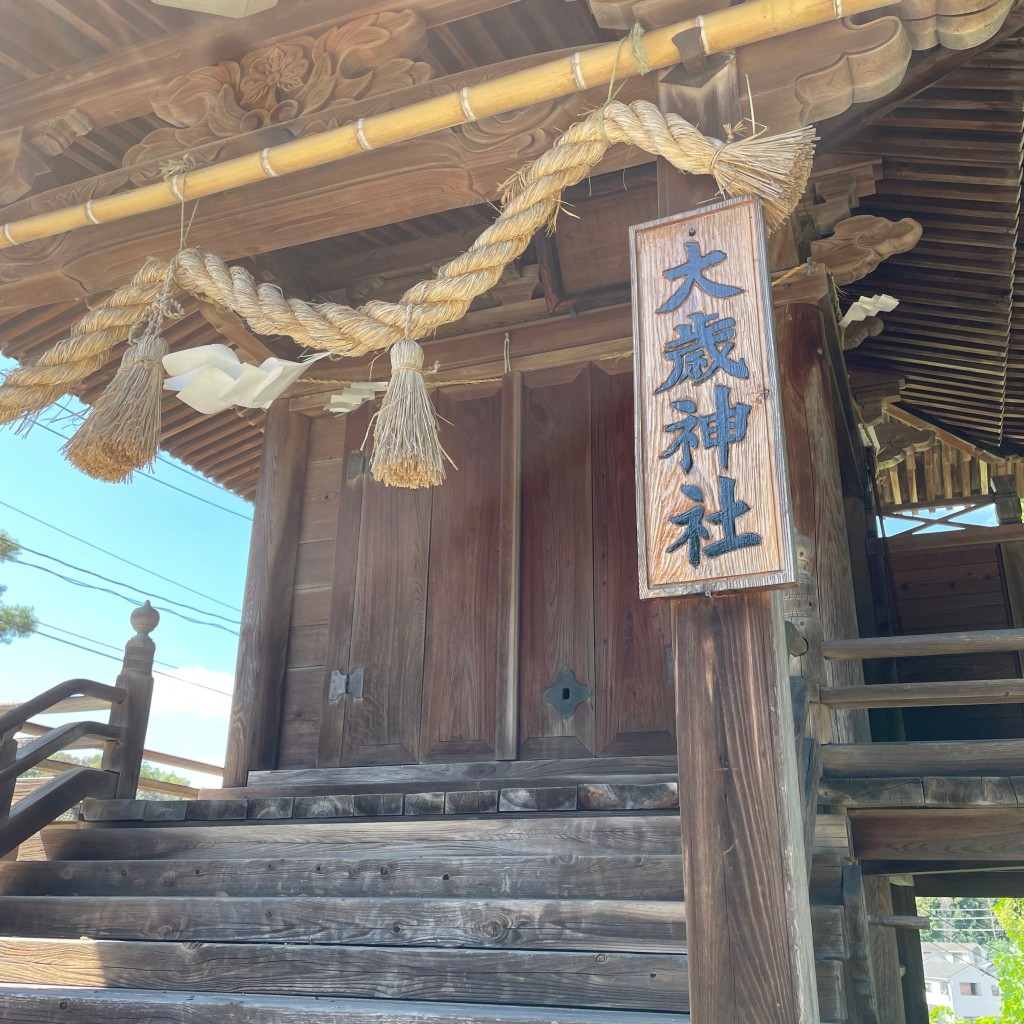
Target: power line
[(156, 479), (103, 654), (99, 643), (130, 586), (123, 597), (126, 561), (160, 458)]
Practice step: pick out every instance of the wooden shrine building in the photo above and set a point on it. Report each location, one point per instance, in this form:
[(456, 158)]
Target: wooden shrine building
[(472, 776)]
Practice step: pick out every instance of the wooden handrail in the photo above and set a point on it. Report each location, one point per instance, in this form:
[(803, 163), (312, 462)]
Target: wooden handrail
[(924, 645), (54, 767), (53, 741), (129, 704), (925, 695), (35, 729), (48, 802), (71, 706), (17, 717)]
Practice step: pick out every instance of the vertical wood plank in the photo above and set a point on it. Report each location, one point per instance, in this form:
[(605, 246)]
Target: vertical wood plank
[(635, 695), (740, 807), (459, 684), (884, 956), (908, 943), (816, 488), (338, 650), (509, 560), (557, 606), (389, 626), (263, 639)]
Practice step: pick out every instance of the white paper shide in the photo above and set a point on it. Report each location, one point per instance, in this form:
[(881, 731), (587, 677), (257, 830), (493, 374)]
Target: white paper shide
[(211, 378)]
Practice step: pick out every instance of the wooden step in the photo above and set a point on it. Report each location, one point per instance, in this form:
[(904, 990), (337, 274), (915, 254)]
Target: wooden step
[(641, 877), (534, 835), (926, 757), (627, 981), (554, 772), (44, 1005), (620, 925)]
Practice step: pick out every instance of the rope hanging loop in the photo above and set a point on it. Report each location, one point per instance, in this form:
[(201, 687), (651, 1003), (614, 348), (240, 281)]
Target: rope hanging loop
[(407, 452)]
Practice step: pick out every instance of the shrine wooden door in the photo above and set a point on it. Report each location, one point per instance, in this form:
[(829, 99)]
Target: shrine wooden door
[(498, 615)]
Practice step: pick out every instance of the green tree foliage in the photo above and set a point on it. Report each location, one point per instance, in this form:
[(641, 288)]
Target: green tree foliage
[(15, 619), (964, 919), (1009, 958), (1007, 954)]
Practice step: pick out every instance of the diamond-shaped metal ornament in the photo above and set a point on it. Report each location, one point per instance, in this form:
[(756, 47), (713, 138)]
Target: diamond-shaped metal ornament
[(566, 693)]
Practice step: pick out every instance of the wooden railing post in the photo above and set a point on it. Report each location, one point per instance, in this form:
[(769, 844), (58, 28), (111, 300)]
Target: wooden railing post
[(132, 713), (8, 755)]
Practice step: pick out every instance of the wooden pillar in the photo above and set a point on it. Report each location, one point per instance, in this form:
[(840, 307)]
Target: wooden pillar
[(266, 612), (132, 713), (816, 488), (749, 948), (908, 942)]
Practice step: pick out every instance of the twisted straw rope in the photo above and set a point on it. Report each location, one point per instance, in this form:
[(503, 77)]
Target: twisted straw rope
[(774, 168)]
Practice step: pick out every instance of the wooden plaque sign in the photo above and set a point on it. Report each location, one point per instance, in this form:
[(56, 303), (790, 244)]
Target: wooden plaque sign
[(712, 497)]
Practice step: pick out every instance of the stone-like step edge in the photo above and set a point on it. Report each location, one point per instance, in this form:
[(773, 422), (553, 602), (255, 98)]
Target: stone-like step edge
[(44, 1005), (517, 800)]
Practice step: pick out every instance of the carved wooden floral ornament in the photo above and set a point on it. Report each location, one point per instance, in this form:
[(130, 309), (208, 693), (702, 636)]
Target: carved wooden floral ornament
[(286, 80)]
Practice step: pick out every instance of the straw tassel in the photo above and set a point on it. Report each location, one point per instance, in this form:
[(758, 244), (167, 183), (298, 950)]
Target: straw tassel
[(406, 449), (122, 433)]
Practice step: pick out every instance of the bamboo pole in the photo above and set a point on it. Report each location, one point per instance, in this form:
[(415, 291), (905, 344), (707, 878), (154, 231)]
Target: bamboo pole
[(719, 31)]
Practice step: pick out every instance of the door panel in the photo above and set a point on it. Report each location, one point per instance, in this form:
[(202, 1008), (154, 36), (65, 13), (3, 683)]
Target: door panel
[(460, 668), (636, 702), (557, 573), (581, 608), (388, 626)]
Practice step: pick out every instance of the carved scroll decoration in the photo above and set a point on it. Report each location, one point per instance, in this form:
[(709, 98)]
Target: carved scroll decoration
[(861, 243), (24, 151), (896, 440), (954, 24), (287, 80)]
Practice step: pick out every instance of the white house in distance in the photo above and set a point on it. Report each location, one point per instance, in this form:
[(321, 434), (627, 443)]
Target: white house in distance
[(960, 977)]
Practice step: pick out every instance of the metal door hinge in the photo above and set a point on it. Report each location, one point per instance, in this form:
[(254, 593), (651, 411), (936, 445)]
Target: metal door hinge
[(346, 683)]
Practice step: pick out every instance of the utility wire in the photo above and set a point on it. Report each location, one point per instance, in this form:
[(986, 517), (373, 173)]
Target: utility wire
[(123, 597), (103, 654), (126, 561), (160, 458), (156, 479), (130, 586), (98, 643)]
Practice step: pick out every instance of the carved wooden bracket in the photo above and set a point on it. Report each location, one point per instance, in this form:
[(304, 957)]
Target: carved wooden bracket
[(24, 151), (860, 330), (820, 72), (838, 185), (859, 244), (897, 440), (295, 78), (954, 24)]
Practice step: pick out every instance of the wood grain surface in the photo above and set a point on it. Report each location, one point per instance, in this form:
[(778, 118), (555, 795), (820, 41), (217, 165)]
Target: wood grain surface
[(757, 462)]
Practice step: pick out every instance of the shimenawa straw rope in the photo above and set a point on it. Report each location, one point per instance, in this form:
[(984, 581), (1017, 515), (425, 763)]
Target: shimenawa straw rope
[(775, 168)]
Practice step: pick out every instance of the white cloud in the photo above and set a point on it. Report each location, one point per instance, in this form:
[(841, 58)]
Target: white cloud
[(174, 693)]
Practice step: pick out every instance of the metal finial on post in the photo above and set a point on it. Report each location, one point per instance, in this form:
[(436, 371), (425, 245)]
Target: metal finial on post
[(136, 678)]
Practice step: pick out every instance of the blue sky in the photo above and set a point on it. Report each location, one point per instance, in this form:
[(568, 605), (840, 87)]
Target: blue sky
[(171, 533)]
